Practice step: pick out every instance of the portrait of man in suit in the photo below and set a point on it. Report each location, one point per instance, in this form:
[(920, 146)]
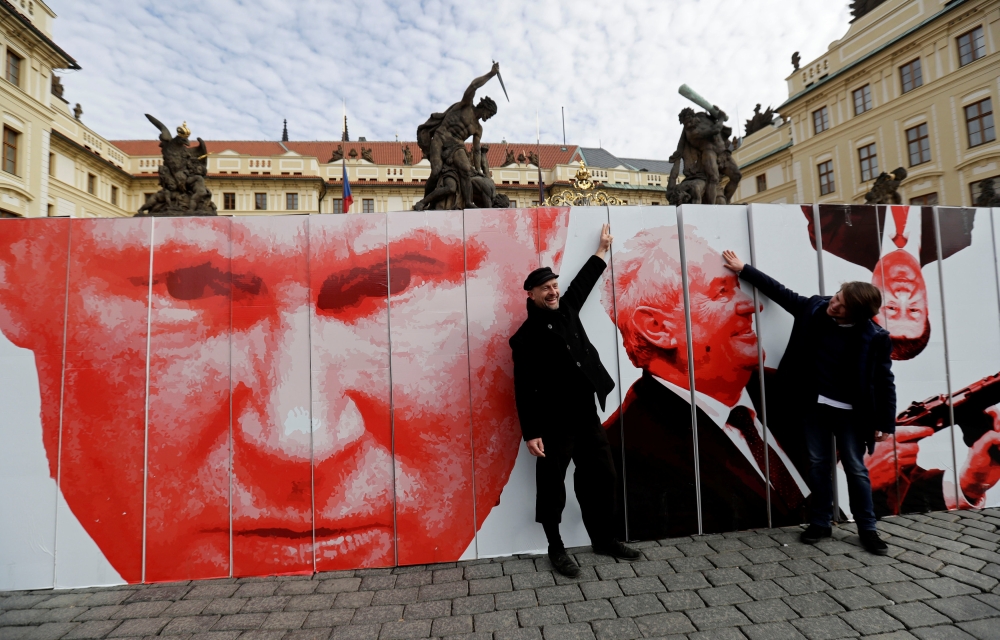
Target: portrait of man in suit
[(894, 243), (656, 436)]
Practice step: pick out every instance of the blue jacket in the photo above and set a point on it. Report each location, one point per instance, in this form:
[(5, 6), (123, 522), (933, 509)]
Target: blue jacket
[(875, 409)]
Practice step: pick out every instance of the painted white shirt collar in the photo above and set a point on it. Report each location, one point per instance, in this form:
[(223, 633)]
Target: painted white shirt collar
[(719, 413)]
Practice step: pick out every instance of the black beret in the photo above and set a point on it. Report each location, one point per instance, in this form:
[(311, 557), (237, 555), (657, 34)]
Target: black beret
[(538, 277)]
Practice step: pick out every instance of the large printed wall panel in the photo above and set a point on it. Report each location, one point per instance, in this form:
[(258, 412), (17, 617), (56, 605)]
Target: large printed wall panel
[(33, 262), (431, 415), (103, 433), (781, 248), (972, 315), (272, 513), (501, 248), (735, 462), (187, 472), (352, 428), (287, 394), (651, 435)]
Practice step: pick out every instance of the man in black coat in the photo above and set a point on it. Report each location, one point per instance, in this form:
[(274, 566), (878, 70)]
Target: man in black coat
[(557, 371), (837, 373)]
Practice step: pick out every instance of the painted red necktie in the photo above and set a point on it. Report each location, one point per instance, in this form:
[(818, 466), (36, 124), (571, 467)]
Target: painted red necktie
[(899, 217), (781, 480)]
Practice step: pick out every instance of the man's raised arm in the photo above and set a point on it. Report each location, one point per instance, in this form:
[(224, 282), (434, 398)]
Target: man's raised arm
[(790, 301), (578, 290), (470, 93)]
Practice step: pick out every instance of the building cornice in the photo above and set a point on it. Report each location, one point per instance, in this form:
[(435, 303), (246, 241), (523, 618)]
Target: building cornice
[(9, 8), (865, 58), (79, 147), (766, 155)]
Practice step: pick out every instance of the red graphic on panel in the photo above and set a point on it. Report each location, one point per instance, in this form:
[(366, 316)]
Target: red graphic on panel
[(271, 413), (187, 505), (352, 434)]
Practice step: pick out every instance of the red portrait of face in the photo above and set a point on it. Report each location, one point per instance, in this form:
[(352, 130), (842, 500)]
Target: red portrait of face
[(904, 294), (290, 393)]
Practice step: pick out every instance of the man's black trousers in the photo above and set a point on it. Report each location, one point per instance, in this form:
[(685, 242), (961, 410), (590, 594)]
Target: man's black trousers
[(582, 439)]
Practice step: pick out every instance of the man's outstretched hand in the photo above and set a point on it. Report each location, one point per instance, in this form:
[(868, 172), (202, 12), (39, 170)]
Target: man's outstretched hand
[(606, 239), (536, 448), (733, 263)]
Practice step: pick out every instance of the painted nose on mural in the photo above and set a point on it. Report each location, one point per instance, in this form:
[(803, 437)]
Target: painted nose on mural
[(276, 418)]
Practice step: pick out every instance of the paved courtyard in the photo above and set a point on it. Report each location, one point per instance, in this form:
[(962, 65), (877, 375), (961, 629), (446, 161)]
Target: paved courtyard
[(940, 580)]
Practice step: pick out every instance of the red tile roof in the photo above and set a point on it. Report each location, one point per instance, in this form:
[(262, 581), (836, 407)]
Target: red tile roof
[(384, 153)]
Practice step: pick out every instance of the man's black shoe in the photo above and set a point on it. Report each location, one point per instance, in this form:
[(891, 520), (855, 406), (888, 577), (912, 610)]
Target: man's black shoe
[(563, 563), (874, 544), (616, 549), (815, 533)]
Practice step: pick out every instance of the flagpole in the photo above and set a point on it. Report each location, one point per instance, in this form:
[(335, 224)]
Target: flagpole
[(538, 157), (343, 162)]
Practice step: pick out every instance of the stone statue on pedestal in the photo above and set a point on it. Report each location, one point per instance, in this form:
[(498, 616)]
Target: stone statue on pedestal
[(182, 177), (705, 152), (442, 141)]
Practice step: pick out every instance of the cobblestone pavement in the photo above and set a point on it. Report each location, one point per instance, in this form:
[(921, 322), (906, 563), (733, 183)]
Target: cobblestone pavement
[(940, 580)]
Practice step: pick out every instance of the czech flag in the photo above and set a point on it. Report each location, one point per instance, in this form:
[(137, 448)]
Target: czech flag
[(348, 198)]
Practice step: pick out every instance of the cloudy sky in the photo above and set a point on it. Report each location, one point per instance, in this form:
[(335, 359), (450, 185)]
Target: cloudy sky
[(235, 68)]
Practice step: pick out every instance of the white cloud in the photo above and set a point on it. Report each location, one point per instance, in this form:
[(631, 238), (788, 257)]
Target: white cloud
[(235, 68)]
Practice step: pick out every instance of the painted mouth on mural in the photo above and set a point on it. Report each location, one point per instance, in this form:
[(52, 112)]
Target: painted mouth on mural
[(321, 532)]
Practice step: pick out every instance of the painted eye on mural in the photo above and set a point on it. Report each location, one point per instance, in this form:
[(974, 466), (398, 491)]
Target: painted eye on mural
[(349, 287), (195, 283)]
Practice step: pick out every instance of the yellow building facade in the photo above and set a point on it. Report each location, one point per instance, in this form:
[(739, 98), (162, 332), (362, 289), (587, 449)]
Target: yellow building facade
[(55, 165), (912, 84)]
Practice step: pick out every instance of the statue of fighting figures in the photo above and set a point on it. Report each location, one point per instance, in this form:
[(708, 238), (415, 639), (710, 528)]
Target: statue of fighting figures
[(182, 177), (706, 154), (455, 176)]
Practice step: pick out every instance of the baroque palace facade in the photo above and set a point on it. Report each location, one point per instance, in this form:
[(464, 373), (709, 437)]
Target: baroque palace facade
[(54, 165), (912, 84)]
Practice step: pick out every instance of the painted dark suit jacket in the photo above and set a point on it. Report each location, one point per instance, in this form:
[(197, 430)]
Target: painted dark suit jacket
[(853, 232), (656, 467)]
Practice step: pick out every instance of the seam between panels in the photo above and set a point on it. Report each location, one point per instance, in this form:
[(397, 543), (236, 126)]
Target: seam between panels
[(947, 364), (468, 359), (145, 447), (312, 426), (760, 370), (996, 267), (618, 368), (690, 356), (62, 400), (392, 408), (231, 569)]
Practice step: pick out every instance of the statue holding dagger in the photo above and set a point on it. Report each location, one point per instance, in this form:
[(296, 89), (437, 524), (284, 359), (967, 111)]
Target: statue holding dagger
[(442, 140)]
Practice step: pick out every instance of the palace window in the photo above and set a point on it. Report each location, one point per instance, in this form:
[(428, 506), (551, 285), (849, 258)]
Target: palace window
[(976, 187), (821, 120), (862, 99), (869, 162), (513, 204), (292, 201), (114, 194), (911, 75), (971, 46), (926, 200), (338, 205), (229, 201), (260, 201), (91, 184), (10, 140), (826, 184), (919, 144), (368, 205), (13, 70), (979, 122), (762, 182)]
